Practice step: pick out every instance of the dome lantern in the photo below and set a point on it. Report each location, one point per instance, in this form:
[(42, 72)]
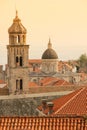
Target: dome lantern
[(49, 44), (49, 53)]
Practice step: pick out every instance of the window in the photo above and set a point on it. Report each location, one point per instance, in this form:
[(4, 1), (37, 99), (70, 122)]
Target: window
[(23, 38), (20, 61), (17, 59), (21, 84), (17, 63), (16, 84), (18, 39)]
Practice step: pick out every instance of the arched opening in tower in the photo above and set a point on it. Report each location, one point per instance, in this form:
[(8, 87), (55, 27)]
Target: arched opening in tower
[(18, 39)]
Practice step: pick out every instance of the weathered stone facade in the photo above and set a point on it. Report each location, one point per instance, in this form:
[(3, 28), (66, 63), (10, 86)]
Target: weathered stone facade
[(2, 73), (49, 65)]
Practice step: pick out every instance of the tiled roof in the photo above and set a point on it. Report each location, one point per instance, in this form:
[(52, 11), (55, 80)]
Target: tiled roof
[(32, 84), (35, 61), (54, 81), (61, 82), (71, 104), (1, 81), (61, 64), (77, 104), (47, 80), (43, 123)]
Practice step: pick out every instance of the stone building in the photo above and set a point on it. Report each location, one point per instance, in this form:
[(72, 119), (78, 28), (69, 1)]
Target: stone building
[(49, 66), (49, 60), (17, 53), (2, 73)]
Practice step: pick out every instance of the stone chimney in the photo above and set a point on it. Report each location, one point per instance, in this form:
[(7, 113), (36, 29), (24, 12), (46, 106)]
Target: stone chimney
[(50, 107), (44, 104)]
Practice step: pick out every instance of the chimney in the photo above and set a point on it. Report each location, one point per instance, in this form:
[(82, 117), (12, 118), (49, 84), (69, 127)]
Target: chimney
[(44, 104), (50, 107)]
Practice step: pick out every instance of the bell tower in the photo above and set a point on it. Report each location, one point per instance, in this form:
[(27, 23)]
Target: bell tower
[(17, 53)]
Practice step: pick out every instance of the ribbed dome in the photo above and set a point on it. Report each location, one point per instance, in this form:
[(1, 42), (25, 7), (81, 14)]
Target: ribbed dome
[(49, 53), (17, 27)]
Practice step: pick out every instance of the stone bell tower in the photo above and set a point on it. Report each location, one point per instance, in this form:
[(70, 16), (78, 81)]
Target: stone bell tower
[(17, 51)]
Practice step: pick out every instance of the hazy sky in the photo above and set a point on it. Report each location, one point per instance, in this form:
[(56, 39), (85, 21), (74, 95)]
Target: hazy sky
[(64, 21)]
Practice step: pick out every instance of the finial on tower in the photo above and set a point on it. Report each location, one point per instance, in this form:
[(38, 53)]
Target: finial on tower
[(49, 40), (49, 44), (16, 13)]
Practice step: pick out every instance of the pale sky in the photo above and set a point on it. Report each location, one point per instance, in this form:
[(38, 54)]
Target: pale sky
[(64, 21)]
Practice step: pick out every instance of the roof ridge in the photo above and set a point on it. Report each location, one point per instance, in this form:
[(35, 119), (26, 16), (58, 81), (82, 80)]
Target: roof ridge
[(63, 83), (69, 100)]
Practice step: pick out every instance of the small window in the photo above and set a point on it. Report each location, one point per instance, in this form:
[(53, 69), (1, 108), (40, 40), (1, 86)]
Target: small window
[(21, 61), (34, 80), (18, 39), (23, 38), (16, 84), (21, 84), (17, 59)]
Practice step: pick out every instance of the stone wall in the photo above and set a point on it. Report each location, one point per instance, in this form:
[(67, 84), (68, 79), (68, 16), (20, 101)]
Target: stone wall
[(24, 105), (2, 74), (49, 65), (4, 91), (47, 89)]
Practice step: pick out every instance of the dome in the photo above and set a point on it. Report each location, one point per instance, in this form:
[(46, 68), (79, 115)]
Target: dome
[(49, 53), (17, 27)]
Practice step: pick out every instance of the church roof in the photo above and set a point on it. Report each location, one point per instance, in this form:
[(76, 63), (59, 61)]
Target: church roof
[(17, 26), (49, 53)]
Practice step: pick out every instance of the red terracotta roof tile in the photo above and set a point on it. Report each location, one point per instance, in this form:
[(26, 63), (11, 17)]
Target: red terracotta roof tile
[(54, 82), (35, 61), (61, 64), (43, 123), (33, 84), (74, 103), (61, 82), (2, 81), (48, 80)]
